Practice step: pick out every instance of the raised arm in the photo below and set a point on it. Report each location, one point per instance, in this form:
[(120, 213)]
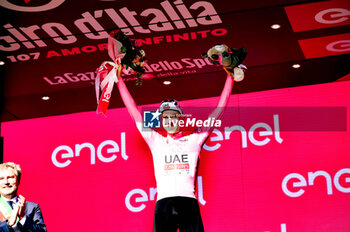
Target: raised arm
[(128, 99), (231, 60), (224, 97)]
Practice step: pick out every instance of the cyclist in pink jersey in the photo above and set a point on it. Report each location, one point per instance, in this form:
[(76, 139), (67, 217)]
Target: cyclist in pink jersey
[(175, 159)]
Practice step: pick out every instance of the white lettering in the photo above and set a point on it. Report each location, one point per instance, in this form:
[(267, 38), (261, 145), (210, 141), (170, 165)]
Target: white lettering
[(339, 46), (261, 133), (199, 123), (111, 147), (347, 180), (29, 31), (88, 19), (13, 46), (200, 190), (277, 128), (228, 131), (218, 137), (79, 147), (152, 193), (130, 16), (190, 122), (70, 78), (143, 198), (123, 141), (69, 154), (19, 36), (311, 177), (49, 29), (208, 16), (336, 15), (157, 19), (114, 149), (244, 137), (301, 183)]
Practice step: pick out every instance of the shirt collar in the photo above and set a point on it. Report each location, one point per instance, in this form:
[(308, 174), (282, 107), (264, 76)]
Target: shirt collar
[(14, 199)]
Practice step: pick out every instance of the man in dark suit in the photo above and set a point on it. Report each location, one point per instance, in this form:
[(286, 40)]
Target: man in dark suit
[(17, 214)]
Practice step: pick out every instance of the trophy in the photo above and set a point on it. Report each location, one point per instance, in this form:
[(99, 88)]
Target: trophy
[(229, 58)]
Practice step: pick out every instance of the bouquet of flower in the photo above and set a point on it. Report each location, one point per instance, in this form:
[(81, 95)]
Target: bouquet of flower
[(230, 58), (124, 52), (131, 53)]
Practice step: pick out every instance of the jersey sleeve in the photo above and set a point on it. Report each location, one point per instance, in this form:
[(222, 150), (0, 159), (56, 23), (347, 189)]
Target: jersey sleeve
[(148, 134), (202, 135)]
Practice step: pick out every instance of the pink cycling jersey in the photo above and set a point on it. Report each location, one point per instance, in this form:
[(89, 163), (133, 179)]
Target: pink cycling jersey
[(175, 161)]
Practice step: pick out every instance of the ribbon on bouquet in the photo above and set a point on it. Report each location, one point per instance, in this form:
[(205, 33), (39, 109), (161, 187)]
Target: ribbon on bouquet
[(105, 79), (106, 73), (126, 53)]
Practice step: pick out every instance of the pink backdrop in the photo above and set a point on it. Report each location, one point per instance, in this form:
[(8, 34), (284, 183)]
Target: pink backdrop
[(292, 180)]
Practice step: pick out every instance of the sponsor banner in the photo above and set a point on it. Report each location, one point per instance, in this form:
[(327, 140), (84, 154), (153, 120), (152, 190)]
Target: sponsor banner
[(326, 46), (65, 51), (313, 16), (252, 175), (304, 118), (296, 180)]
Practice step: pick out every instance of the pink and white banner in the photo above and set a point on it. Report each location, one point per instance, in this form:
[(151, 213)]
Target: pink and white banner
[(280, 163)]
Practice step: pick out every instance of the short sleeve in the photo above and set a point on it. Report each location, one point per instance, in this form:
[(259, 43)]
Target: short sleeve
[(148, 134)]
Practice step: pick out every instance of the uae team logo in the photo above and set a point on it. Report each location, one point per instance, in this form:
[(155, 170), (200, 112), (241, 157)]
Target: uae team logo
[(151, 119)]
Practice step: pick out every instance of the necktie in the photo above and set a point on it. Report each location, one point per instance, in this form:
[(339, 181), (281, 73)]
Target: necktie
[(11, 204)]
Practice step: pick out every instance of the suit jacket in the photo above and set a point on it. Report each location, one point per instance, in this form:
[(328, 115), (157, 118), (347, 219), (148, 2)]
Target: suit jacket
[(34, 220)]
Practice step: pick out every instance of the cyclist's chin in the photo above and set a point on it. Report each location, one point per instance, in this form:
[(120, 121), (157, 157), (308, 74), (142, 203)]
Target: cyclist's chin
[(171, 130)]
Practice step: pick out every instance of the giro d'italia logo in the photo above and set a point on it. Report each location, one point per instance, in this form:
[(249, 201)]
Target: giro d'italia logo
[(151, 119), (51, 4)]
